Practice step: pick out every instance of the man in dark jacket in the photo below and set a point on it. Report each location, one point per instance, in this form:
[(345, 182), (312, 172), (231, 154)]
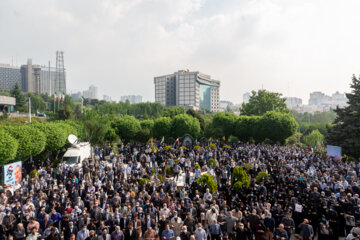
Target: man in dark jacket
[(131, 233)]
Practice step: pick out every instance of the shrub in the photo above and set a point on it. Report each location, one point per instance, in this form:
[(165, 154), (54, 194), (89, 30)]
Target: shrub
[(261, 176), (168, 148), (248, 166), (160, 177), (154, 149), (208, 181), (143, 181), (183, 148), (34, 173), (226, 147), (197, 148), (211, 162), (212, 146), (169, 171), (240, 175)]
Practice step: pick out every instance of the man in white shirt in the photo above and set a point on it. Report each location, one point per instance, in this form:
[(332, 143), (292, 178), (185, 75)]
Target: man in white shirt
[(200, 233)]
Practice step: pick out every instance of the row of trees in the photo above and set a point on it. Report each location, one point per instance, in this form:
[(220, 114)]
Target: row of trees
[(20, 141)]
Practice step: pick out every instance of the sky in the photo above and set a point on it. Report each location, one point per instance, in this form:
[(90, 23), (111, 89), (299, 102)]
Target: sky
[(290, 46)]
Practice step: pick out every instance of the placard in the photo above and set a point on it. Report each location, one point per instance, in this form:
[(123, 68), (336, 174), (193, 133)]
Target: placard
[(13, 173)]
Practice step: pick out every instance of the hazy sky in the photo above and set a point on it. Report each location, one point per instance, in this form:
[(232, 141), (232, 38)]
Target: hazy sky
[(289, 46)]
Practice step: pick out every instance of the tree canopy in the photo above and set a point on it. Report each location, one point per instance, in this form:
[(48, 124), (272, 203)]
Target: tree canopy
[(263, 101), (346, 129)]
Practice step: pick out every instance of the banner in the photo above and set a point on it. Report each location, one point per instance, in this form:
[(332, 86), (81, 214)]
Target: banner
[(333, 151), (12, 173)]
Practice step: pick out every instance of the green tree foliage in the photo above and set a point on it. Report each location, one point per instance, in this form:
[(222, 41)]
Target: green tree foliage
[(55, 136), (246, 128), (146, 131), (173, 111), (37, 103), (206, 180), (239, 178), (31, 140), (126, 127), (96, 127), (346, 129), (162, 127), (317, 117), (8, 147), (66, 112), (312, 138), (185, 124), (224, 123), (20, 97), (139, 110), (263, 101), (111, 135), (277, 126), (197, 115)]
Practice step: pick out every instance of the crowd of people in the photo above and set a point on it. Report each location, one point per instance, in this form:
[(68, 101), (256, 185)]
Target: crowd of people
[(305, 196)]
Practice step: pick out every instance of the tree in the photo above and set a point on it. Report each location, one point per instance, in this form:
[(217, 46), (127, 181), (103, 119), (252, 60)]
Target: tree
[(31, 140), (55, 135), (37, 103), (277, 126), (8, 147), (173, 111), (19, 95), (262, 101), (126, 127), (224, 123), (96, 127), (313, 138), (197, 115), (246, 128), (66, 112), (185, 124), (146, 131), (346, 129), (162, 127)]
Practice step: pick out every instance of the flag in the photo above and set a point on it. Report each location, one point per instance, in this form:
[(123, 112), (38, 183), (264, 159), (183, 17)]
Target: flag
[(63, 97), (223, 138), (151, 141), (162, 140), (177, 140), (55, 97), (82, 100)]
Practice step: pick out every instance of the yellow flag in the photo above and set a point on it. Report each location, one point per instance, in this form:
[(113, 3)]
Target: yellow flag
[(223, 138), (151, 141)]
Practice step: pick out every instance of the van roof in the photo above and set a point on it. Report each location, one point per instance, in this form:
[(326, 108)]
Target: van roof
[(72, 152)]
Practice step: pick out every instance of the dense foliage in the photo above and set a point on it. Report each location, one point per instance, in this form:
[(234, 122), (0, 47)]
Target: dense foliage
[(8, 147), (263, 101), (207, 180), (346, 129)]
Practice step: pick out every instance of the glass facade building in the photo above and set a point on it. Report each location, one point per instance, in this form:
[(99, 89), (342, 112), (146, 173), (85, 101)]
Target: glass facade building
[(189, 89), (9, 76)]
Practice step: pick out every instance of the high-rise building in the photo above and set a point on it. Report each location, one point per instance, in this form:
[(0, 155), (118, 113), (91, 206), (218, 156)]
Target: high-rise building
[(132, 99), (189, 89), (38, 79), (246, 97), (91, 93), (107, 98), (9, 76), (293, 102)]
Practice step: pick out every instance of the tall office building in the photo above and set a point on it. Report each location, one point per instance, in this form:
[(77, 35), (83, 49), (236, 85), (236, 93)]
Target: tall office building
[(91, 93), (38, 79), (132, 99), (246, 97), (9, 76), (189, 89)]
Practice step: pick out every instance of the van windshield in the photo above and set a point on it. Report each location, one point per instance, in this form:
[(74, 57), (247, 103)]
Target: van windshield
[(70, 160)]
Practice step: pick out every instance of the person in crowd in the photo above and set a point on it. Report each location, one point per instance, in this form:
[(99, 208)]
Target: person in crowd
[(305, 195)]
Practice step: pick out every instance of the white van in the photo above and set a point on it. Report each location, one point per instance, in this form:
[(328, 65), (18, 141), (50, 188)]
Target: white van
[(76, 154)]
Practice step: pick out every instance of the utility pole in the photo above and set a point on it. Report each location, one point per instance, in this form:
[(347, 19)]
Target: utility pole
[(30, 109)]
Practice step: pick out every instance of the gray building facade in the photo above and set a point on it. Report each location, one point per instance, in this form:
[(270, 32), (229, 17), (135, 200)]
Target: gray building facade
[(188, 89), (9, 76)]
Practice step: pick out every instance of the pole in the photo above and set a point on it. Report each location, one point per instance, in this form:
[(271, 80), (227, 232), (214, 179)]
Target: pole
[(30, 122), (54, 104), (50, 80), (29, 109)]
